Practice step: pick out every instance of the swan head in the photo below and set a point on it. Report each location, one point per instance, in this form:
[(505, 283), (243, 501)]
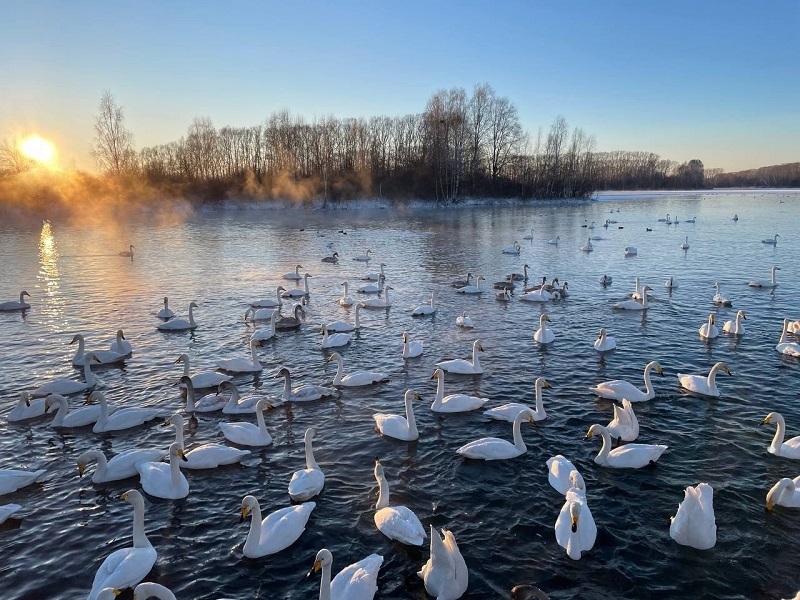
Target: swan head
[(410, 395), (436, 374), (772, 417), (741, 314), (249, 502), (49, 401), (133, 497), (594, 430), (284, 372), (310, 433), (262, 405), (724, 368), (96, 396), (184, 358), (477, 344), (192, 304), (307, 275), (601, 334), (646, 288), (257, 343), (542, 383), (76, 338), (334, 356), (324, 558), (574, 515), (777, 491), (24, 293), (657, 366), (176, 450), (543, 319)]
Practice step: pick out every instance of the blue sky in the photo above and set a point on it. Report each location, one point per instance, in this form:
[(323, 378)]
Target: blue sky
[(719, 81)]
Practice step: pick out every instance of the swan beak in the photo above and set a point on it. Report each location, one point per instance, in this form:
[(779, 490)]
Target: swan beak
[(766, 421), (117, 592), (27, 400), (90, 399), (95, 359), (81, 469), (177, 360), (183, 456), (75, 339), (574, 525), (245, 512), (435, 375), (546, 384), (728, 371), (770, 505), (744, 316), (167, 423), (417, 396), (588, 436), (480, 347), (124, 496), (317, 566), (660, 371)]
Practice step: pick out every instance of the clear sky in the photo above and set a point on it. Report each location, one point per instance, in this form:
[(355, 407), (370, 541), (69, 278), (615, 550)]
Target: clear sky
[(718, 81)]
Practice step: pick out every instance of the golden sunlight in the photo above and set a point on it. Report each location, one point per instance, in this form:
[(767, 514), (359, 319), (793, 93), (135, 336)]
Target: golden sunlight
[(37, 148)]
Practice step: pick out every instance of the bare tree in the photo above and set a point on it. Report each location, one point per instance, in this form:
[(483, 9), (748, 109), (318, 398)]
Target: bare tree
[(12, 159), (113, 143)]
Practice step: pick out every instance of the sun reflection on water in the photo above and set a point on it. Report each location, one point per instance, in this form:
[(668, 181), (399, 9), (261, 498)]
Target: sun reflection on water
[(49, 275)]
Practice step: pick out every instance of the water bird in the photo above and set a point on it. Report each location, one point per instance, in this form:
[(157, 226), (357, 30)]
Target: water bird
[(307, 483), (205, 456), (165, 480), (575, 528), (180, 324), (458, 283), (685, 244), (631, 251), (395, 522), (465, 321), (121, 418), (356, 378), (104, 357), (706, 386), (334, 340), (453, 403), (472, 289), (397, 426), (264, 334), (735, 217), (333, 258), (619, 389), (503, 296), (355, 582), (346, 299), (28, 407), (544, 335), (12, 305), (694, 524), (445, 574), (606, 280), (68, 387), (629, 456), (298, 292), (121, 466), (515, 249), (462, 366), (294, 275), (604, 342), (784, 493), (520, 276), (789, 448), (363, 257), (249, 434), (735, 326), (148, 589), (7, 510), (379, 276), (508, 412), (633, 304), (277, 531), (411, 349), (66, 418), (425, 309), (344, 326), (529, 236), (12, 480), (302, 393), (203, 379), (670, 283), (562, 474), (166, 312), (624, 426), (772, 241), (709, 330), (784, 345), (384, 302), (128, 252), (491, 448), (269, 302), (692, 220), (588, 247), (555, 241), (719, 299), (294, 321)]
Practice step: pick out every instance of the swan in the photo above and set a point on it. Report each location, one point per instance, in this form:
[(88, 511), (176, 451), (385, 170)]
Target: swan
[(562, 475), (126, 567), (379, 302), (692, 220), (302, 393), (453, 403), (145, 591), (709, 330), (588, 247), (794, 327), (509, 412), (664, 220), (334, 340), (13, 479), (205, 456), (28, 407), (591, 226), (462, 366), (122, 418), (629, 456), (637, 290), (298, 292), (165, 480), (520, 276), (120, 344), (668, 220), (395, 522), (462, 282), (128, 252), (606, 280), (445, 574), (515, 249), (760, 283), (344, 326), (204, 379), (685, 244), (670, 283), (242, 365), (333, 258), (538, 295), (247, 434), (555, 241), (575, 528), (694, 524), (372, 288), (464, 320), (294, 275), (104, 357), (735, 327), (68, 387), (260, 314), (473, 289), (65, 417), (634, 304), (784, 346), (425, 309), (278, 531), (530, 236), (357, 378), (121, 466), (346, 299), (268, 302), (6, 510), (543, 335), (12, 305), (631, 251), (706, 386), (375, 276), (789, 448), (411, 348), (492, 448), (396, 426), (624, 426), (604, 342), (363, 257), (355, 582), (237, 404), (504, 296), (209, 403), (620, 389), (307, 483), (293, 322), (773, 241), (166, 312), (180, 324), (735, 217), (560, 292), (264, 334), (784, 493), (719, 299)]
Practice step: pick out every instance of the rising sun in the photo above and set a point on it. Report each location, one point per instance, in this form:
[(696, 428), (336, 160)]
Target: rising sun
[(37, 148)]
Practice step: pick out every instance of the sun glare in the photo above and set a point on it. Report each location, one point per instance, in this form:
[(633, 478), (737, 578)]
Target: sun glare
[(37, 148)]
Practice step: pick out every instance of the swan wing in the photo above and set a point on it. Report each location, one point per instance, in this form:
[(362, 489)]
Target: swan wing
[(126, 418), (635, 455), (123, 465), (559, 469), (209, 456), (508, 412), (156, 479), (306, 483), (401, 524), (460, 403), (282, 528), (305, 393), (619, 389), (123, 568), (363, 378), (357, 581), (12, 479), (393, 425), (489, 449)]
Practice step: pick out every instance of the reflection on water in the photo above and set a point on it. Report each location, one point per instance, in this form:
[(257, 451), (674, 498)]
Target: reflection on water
[(49, 273)]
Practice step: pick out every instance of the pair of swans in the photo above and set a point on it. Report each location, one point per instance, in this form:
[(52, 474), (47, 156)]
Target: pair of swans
[(356, 378), (205, 456), (704, 385), (462, 366), (14, 305), (165, 480), (277, 531), (508, 412), (628, 456), (104, 357), (397, 426), (166, 312), (203, 379), (465, 321), (249, 434), (384, 302), (768, 284), (302, 393), (694, 524), (619, 389), (68, 387), (544, 335), (344, 326), (788, 449), (473, 289), (121, 418), (334, 340), (719, 298), (355, 582), (708, 330), (307, 483), (637, 290), (634, 304), (298, 292), (784, 345), (735, 327), (269, 302), (425, 309), (294, 275), (180, 324), (604, 342), (12, 480), (395, 522), (411, 348), (120, 344), (445, 574), (242, 365), (492, 448), (453, 403)]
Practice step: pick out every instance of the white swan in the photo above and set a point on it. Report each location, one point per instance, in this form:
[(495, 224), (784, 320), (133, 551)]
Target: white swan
[(399, 427), (67, 387), (445, 574), (27, 407), (126, 567), (278, 531), (294, 275), (121, 466), (379, 302), (670, 283), (363, 257), (760, 283), (346, 299), (165, 480), (515, 249), (538, 295), (604, 342), (709, 330), (465, 321), (395, 522), (784, 493), (13, 479), (735, 327), (6, 510), (260, 314), (509, 412), (563, 475), (355, 582), (425, 309), (375, 276), (204, 379), (685, 244), (453, 403), (462, 366), (266, 333), (13, 305), (307, 483), (555, 241), (205, 456), (544, 335), (637, 290), (629, 456), (67, 418), (699, 384), (371, 288), (242, 365), (624, 426), (719, 299), (302, 393), (356, 378), (344, 326), (784, 345), (166, 312), (248, 434), (575, 528), (145, 591), (788, 449), (529, 236), (269, 302), (334, 340), (633, 304), (208, 403), (520, 276), (473, 289), (772, 241), (122, 418), (411, 348), (492, 448), (606, 280), (619, 389), (694, 524), (794, 327), (631, 251), (180, 324), (120, 344), (735, 217), (237, 404), (588, 247), (298, 292)]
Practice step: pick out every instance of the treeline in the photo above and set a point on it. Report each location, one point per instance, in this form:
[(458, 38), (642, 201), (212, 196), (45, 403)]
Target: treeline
[(787, 175)]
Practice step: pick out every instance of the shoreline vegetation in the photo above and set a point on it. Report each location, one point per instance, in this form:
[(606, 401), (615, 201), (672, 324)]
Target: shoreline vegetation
[(461, 149)]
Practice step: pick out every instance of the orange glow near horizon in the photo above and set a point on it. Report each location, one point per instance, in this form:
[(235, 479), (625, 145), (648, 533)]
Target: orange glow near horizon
[(38, 149)]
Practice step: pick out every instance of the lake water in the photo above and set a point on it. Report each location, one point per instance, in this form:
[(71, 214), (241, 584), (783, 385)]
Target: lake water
[(502, 513)]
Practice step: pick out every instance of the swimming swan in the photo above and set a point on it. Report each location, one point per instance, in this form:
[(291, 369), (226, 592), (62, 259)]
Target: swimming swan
[(379, 302), (694, 524), (302, 393), (604, 342), (6, 510), (269, 303), (784, 493), (709, 330), (620, 389), (719, 299), (355, 582), (699, 384), (375, 276), (248, 434), (307, 482), (120, 344), (784, 345), (122, 418), (104, 357), (462, 366), (121, 466), (165, 480), (685, 244), (346, 299), (334, 340), (633, 304), (465, 321), (12, 305), (294, 275), (128, 252), (735, 327), (67, 387), (563, 475), (670, 283), (624, 426), (147, 590), (515, 249), (631, 251), (453, 403), (399, 427), (473, 289), (28, 407), (508, 412), (363, 257), (237, 404), (205, 456), (395, 522), (772, 241), (588, 247), (491, 448), (265, 333), (292, 322), (357, 378), (13, 479), (760, 283), (298, 292), (333, 258), (411, 349), (425, 309), (445, 574), (555, 241), (277, 531), (637, 290), (629, 456), (242, 365), (544, 335), (64, 417), (575, 528), (180, 324), (204, 379), (789, 448), (166, 312)]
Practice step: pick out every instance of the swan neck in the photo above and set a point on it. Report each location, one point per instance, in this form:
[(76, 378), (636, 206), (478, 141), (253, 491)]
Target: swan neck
[(517, 431), (254, 354), (262, 426), (139, 537), (254, 536), (711, 380), (383, 493), (412, 422), (174, 469), (87, 372), (337, 379), (784, 334), (103, 409), (539, 405), (79, 354), (305, 282), (186, 367), (358, 309), (648, 383), (190, 400), (287, 387), (605, 448), (780, 432), (102, 468), (178, 431), (61, 411), (311, 463), (476, 363), (191, 315), (439, 389), (325, 583)]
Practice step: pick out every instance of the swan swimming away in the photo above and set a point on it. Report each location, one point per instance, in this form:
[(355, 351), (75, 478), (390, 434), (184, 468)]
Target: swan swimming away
[(165, 480), (508, 412), (784, 493), (735, 327), (356, 378), (772, 241), (180, 324), (604, 342), (462, 366), (543, 335), (706, 386), (425, 309), (397, 426), (453, 403), (562, 475), (624, 426), (120, 344), (709, 330), (121, 466), (355, 582), (298, 292), (122, 418), (719, 299), (445, 574), (204, 379), (760, 283), (789, 448), (68, 387), (694, 524), (166, 312), (473, 289), (346, 299), (588, 247), (248, 434), (634, 304), (28, 407), (629, 456), (491, 448), (269, 303), (379, 302), (277, 531), (294, 275), (205, 456), (395, 522), (334, 340), (620, 389), (12, 305), (575, 528), (104, 357), (784, 345), (465, 321), (242, 365), (302, 393), (307, 483), (411, 349), (12, 480)]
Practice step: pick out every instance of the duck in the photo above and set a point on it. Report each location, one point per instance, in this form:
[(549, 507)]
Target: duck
[(463, 282), (298, 292), (165, 480), (28, 407), (268, 302), (126, 567), (334, 340), (784, 493), (356, 378), (634, 304), (708, 330), (242, 365), (346, 299), (411, 348), (292, 322), (492, 448), (180, 324), (503, 296), (121, 466), (425, 309), (694, 524), (562, 475), (784, 345), (555, 241), (465, 321), (588, 247), (66, 418), (204, 379), (624, 426), (585, 224), (384, 302), (248, 434), (12, 480), (760, 283), (7, 510), (13, 305), (706, 386), (543, 335), (453, 403), (395, 522), (670, 283), (718, 298), (606, 280), (604, 342), (685, 244), (520, 276), (445, 574), (629, 456), (307, 483), (462, 366), (205, 456), (166, 312), (264, 334), (375, 276), (508, 412), (396, 426), (333, 258), (620, 389), (236, 404), (735, 327), (514, 249), (68, 387), (278, 531), (104, 357), (363, 257), (302, 393), (120, 345), (575, 528), (122, 418), (355, 582), (294, 275), (789, 448), (771, 241), (473, 289), (128, 252)]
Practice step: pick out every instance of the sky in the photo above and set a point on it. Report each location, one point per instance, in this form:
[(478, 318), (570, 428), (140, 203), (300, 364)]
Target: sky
[(718, 81)]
